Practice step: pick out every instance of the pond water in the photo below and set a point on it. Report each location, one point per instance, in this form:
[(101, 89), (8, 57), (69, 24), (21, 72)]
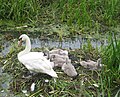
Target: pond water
[(37, 42)]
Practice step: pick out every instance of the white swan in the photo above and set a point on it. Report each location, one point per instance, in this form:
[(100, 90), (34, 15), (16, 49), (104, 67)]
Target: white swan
[(34, 61)]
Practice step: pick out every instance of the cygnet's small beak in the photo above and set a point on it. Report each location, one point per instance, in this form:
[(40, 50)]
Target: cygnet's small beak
[(19, 42)]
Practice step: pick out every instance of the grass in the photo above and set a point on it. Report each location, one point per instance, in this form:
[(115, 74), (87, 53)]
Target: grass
[(84, 13), (19, 11), (87, 12), (111, 53)]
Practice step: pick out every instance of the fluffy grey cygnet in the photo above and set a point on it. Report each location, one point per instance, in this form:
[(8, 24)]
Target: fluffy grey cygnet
[(69, 69)]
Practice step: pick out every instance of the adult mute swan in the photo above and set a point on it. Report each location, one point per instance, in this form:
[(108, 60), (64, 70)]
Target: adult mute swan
[(34, 61)]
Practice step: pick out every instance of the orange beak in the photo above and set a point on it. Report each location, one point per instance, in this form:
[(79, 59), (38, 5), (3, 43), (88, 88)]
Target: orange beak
[(19, 42)]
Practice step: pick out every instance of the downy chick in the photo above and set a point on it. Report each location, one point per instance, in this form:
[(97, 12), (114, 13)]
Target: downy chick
[(69, 69)]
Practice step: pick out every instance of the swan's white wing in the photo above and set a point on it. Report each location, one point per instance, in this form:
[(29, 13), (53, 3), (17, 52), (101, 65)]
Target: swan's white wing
[(31, 56), (39, 65)]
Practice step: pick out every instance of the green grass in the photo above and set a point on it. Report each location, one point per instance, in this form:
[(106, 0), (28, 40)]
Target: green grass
[(19, 10), (73, 12), (111, 53), (87, 12), (80, 16), (111, 59)]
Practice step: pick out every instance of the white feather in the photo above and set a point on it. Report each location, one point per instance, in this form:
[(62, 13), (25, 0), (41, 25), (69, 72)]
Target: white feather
[(32, 88)]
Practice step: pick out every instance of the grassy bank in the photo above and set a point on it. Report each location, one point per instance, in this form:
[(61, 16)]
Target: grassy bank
[(72, 12), (103, 83)]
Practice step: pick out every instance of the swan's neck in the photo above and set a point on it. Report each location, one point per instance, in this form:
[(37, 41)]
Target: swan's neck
[(27, 48)]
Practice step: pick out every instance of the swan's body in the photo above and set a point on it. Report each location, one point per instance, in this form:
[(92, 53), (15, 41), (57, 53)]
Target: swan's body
[(34, 61)]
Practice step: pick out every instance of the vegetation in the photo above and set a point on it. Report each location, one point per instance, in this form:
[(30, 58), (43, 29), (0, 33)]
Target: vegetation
[(111, 53), (79, 12), (19, 10)]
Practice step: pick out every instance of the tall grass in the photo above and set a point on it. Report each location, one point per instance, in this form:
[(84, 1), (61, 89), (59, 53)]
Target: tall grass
[(111, 53), (111, 58), (80, 12), (19, 10), (87, 12)]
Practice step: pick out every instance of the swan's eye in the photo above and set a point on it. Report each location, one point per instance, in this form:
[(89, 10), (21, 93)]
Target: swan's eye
[(20, 39)]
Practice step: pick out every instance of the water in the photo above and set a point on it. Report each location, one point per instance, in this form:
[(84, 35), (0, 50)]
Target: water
[(36, 42)]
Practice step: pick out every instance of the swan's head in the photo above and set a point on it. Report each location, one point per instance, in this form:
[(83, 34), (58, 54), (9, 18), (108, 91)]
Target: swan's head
[(22, 38)]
